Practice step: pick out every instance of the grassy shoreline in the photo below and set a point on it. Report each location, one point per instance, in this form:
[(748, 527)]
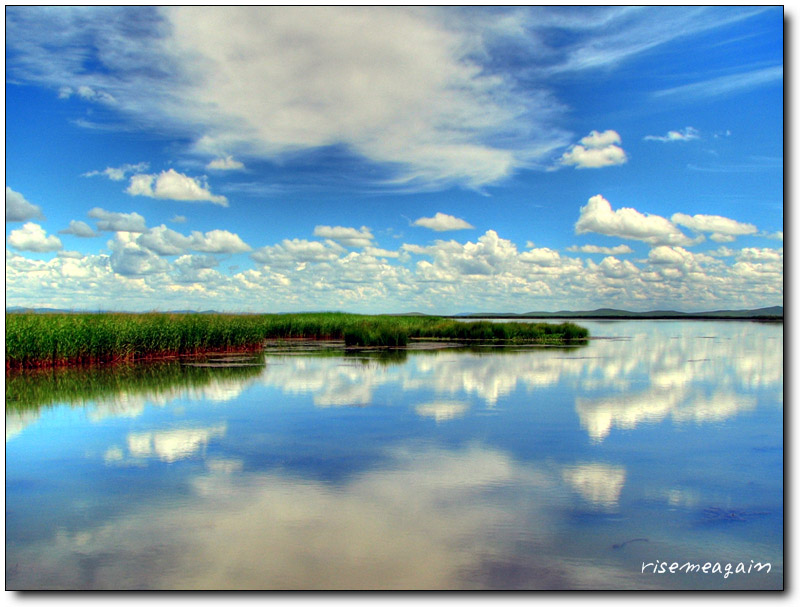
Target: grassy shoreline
[(52, 340)]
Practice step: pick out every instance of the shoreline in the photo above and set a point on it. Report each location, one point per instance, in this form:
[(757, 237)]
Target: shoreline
[(67, 340)]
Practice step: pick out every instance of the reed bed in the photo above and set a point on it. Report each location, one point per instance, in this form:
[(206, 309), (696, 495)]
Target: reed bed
[(46, 340)]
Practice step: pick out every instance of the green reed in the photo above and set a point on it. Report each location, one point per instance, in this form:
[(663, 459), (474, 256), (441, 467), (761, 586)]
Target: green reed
[(45, 340)]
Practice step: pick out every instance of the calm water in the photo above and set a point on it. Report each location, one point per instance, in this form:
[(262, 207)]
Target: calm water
[(659, 442)]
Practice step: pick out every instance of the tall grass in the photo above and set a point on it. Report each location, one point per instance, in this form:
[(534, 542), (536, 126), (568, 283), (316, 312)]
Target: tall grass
[(44, 340)]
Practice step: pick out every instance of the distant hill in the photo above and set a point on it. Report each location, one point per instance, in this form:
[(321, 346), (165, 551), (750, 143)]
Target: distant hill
[(771, 313), (20, 309)]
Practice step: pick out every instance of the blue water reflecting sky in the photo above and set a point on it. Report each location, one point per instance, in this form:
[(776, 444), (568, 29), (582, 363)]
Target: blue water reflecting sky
[(531, 468)]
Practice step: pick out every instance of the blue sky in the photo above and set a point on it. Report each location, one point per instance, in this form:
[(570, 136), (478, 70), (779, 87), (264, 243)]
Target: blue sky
[(394, 159)]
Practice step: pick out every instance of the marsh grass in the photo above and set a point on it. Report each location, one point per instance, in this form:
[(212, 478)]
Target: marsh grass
[(47, 340)]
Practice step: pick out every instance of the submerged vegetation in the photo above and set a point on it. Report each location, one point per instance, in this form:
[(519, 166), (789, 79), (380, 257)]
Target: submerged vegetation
[(46, 340)]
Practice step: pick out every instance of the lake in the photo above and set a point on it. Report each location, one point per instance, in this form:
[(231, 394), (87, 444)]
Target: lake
[(657, 446)]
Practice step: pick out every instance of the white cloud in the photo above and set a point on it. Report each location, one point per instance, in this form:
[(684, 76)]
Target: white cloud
[(687, 134), (675, 256), (178, 219), (376, 252), (722, 228), (79, 228), (596, 150), (590, 248), (109, 221), (86, 92), (19, 209), (119, 173), (172, 185), (290, 252), (218, 241), (598, 217), (129, 258), (490, 273), (443, 223), (163, 241), (226, 163), (32, 237), (404, 87), (71, 254), (541, 256), (612, 267), (348, 237), (762, 255)]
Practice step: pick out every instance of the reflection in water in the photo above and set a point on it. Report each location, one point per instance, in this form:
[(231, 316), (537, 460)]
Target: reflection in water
[(597, 483), (277, 531), (514, 468), (643, 378), (441, 411), (170, 445), (122, 390)]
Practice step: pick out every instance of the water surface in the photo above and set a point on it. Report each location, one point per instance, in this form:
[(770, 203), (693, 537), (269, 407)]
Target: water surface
[(502, 468)]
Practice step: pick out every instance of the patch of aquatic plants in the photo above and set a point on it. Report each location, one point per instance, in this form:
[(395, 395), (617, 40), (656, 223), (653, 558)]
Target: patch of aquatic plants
[(47, 340)]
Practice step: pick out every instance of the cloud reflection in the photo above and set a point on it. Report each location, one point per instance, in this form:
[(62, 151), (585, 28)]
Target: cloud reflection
[(165, 445), (270, 530), (442, 411), (600, 484)]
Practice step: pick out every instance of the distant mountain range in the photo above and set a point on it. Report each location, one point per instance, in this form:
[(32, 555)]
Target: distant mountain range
[(771, 313)]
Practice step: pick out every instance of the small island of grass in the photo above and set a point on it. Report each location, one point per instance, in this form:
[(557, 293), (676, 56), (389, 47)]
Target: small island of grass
[(47, 340)]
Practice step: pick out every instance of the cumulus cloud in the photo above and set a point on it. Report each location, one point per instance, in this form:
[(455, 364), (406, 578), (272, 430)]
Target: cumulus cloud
[(596, 150), (590, 248), (129, 258), (79, 228), (32, 237), (377, 252), (348, 237), (163, 241), (687, 134), (675, 256), (19, 209), (723, 229), (218, 241), (443, 223), (119, 173), (490, 273), (598, 217), (196, 268), (71, 254), (110, 221), (171, 185), (226, 163), (541, 256), (294, 251), (178, 219)]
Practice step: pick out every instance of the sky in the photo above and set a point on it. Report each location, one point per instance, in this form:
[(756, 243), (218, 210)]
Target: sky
[(394, 159)]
